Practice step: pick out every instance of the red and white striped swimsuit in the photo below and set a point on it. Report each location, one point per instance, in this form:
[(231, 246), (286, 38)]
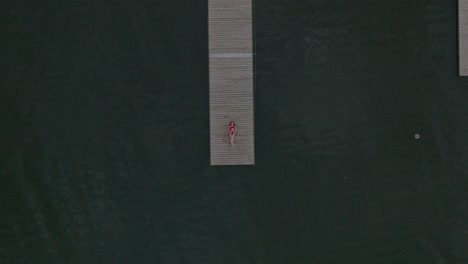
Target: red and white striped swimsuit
[(232, 130)]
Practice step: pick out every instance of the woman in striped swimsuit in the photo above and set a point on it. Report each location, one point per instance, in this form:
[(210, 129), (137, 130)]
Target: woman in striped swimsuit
[(232, 132)]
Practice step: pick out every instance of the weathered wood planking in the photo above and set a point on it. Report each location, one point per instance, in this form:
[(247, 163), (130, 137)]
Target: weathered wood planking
[(463, 37), (231, 81)]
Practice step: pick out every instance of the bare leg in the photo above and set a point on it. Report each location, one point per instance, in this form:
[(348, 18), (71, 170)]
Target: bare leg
[(232, 139)]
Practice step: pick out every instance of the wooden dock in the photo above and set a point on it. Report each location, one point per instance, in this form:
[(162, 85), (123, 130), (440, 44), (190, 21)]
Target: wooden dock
[(230, 38), (463, 37)]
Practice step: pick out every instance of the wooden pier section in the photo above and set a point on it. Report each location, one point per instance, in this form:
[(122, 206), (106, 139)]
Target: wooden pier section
[(231, 76), (463, 37)]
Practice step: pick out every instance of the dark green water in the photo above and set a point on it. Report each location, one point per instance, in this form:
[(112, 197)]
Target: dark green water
[(104, 140)]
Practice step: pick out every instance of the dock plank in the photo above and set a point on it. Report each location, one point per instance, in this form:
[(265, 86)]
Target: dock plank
[(463, 37), (231, 81)]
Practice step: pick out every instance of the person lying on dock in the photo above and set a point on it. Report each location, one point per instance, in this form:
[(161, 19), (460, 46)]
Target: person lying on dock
[(232, 132)]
